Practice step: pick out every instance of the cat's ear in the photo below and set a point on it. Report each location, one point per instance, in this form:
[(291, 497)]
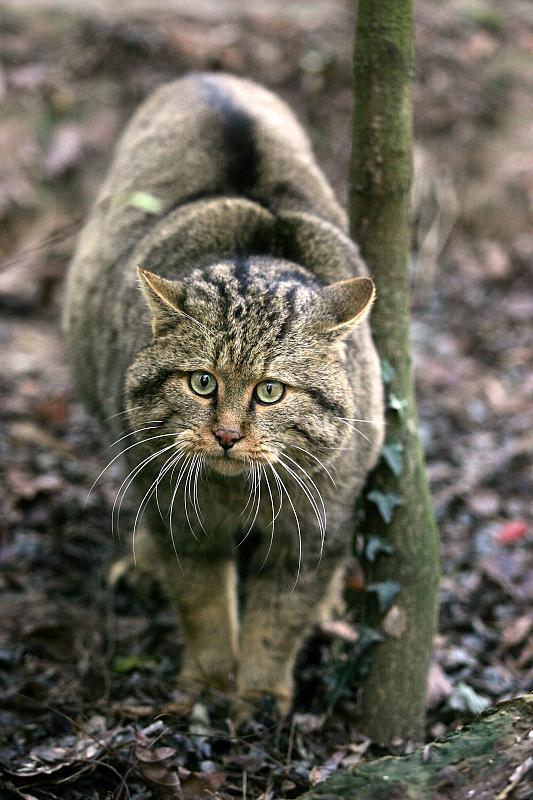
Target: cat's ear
[(164, 299), (345, 304)]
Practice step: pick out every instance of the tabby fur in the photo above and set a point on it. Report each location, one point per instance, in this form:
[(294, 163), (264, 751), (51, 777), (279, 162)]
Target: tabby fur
[(247, 271)]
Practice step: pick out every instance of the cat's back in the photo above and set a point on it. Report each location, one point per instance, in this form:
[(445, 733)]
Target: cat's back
[(205, 138)]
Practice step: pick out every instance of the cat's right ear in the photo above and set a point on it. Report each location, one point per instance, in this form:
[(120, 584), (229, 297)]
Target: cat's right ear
[(164, 299)]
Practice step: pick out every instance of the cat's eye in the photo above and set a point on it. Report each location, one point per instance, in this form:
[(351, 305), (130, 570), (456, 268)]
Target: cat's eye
[(202, 383), (269, 391)]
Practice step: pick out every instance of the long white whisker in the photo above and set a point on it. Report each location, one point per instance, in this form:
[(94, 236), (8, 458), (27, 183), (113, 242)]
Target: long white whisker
[(178, 479), (121, 413), (169, 465), (354, 429), (274, 517), (186, 491), (321, 520), (130, 477), (311, 481), (369, 421), (156, 423), (278, 478), (328, 473), (144, 502), (257, 505), (135, 444), (196, 503), (249, 478)]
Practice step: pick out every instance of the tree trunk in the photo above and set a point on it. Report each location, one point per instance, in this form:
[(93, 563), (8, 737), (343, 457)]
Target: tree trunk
[(381, 170), (491, 759)]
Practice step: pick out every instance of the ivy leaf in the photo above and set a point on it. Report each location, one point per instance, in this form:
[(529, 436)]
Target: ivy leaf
[(386, 503), (375, 545), (392, 455), (385, 592), (396, 404), (387, 371), (146, 202)]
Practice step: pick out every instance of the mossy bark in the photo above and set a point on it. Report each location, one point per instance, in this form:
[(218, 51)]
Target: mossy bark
[(381, 172), (491, 759)]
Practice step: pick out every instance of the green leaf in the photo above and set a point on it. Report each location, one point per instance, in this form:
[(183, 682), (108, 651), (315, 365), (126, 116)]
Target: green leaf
[(375, 545), (125, 664), (386, 503), (385, 591), (146, 202), (392, 455), (396, 404), (387, 371)]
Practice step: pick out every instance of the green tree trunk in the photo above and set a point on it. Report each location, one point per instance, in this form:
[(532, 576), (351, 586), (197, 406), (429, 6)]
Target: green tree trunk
[(381, 172)]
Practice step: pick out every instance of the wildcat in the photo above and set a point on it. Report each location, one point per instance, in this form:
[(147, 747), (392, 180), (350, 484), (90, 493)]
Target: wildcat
[(216, 320)]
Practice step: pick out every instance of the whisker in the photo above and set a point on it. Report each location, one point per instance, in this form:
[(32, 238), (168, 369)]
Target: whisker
[(346, 422), (278, 478), (144, 502), (369, 421), (139, 430), (249, 478), (172, 464), (186, 490), (178, 479), (274, 517), (257, 505), (321, 521), (326, 470), (121, 413), (130, 477), (196, 503), (125, 450)]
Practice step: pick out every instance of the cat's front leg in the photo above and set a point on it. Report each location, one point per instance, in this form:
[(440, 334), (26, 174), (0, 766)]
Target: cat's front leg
[(278, 617), (205, 599), (202, 588)]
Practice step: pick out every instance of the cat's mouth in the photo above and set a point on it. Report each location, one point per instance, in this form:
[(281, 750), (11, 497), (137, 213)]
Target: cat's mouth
[(229, 464)]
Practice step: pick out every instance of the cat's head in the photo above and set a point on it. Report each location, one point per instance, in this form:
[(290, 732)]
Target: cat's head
[(247, 365)]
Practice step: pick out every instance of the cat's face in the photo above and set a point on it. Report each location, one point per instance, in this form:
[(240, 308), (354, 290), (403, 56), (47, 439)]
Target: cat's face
[(246, 366)]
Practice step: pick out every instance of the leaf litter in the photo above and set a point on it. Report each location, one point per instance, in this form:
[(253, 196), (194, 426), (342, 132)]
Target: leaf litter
[(89, 705)]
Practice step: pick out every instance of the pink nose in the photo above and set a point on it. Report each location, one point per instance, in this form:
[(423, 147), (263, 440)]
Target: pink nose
[(227, 437)]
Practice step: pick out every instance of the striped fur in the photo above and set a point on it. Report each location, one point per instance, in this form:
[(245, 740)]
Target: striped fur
[(247, 272)]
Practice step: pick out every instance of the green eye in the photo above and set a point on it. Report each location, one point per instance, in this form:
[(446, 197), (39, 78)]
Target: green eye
[(202, 383), (269, 391)]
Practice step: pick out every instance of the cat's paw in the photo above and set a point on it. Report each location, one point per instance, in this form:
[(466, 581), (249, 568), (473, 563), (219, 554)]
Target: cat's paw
[(254, 702), (209, 673)]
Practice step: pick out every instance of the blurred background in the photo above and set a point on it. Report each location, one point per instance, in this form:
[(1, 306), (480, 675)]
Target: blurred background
[(71, 74)]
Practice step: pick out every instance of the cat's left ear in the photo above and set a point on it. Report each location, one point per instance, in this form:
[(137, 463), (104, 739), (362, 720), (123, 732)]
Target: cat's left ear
[(164, 298), (345, 304)]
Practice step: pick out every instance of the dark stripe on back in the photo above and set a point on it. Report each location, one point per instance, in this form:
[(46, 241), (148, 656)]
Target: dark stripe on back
[(239, 146)]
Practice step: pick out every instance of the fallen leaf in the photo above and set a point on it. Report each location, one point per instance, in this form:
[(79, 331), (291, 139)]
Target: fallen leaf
[(512, 532), (517, 631), (64, 151), (339, 628), (439, 685), (319, 774)]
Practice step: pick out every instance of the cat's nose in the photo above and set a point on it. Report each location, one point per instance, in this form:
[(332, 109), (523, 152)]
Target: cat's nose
[(227, 437)]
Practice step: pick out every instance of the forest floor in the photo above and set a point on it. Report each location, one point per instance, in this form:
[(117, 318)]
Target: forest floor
[(89, 705)]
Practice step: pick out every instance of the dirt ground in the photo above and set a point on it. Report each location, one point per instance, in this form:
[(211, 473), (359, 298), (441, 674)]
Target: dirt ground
[(89, 705)]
